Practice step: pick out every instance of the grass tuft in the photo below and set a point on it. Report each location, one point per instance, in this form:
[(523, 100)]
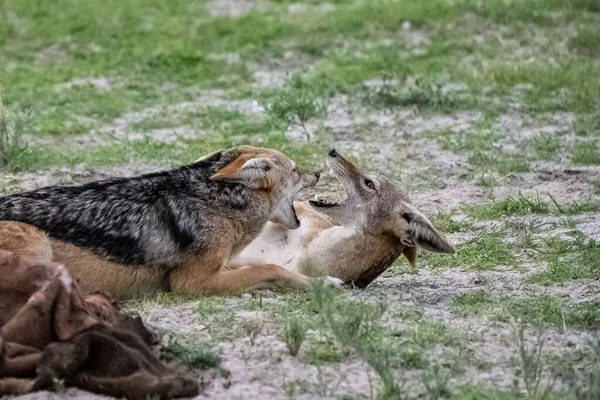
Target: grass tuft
[(530, 364), (539, 309), (353, 325), (586, 154), (193, 353), (427, 96), (294, 334), (12, 128), (484, 252), (295, 104), (569, 259)]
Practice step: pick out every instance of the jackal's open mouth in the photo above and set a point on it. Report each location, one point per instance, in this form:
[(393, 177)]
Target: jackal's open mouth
[(323, 203)]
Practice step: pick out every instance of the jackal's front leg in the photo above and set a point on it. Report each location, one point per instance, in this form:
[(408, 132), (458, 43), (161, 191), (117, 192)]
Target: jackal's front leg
[(191, 279)]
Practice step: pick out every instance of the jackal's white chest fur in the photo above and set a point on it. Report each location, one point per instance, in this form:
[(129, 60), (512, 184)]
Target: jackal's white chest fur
[(301, 250)]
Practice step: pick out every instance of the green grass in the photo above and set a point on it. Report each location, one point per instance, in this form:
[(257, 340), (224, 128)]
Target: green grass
[(532, 310), (325, 350), (295, 333), (569, 259), (193, 353), (225, 129), (586, 154), (521, 205), (159, 53), (447, 223), (427, 96), (586, 42), (546, 147), (485, 252), (479, 392)]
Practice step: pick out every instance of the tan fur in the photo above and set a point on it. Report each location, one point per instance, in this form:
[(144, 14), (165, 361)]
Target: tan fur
[(206, 274), (26, 240), (231, 169), (97, 274), (355, 240)]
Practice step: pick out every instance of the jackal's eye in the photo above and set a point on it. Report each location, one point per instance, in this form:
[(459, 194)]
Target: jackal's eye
[(370, 184)]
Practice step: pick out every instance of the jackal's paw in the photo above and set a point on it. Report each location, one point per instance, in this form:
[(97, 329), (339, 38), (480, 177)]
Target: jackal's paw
[(330, 280)]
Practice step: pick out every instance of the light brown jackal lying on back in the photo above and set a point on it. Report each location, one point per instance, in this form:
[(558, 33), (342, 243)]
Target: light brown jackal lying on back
[(355, 240)]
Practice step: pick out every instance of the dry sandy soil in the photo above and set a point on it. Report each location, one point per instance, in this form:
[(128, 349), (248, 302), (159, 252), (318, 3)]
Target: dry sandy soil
[(526, 225)]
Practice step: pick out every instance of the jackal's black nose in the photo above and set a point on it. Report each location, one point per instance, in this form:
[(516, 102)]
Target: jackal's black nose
[(333, 153), (318, 174)]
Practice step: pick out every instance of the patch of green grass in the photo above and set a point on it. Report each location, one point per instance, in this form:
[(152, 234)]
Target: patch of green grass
[(294, 334), (11, 131), (576, 207), (519, 205), (472, 302), (295, 104), (533, 310), (588, 125), (484, 252), (325, 350), (419, 335), (225, 129), (502, 163), (586, 154), (478, 392), (483, 154), (356, 327), (569, 259), (546, 147), (427, 96), (586, 42), (197, 354), (165, 299), (530, 366), (551, 309), (445, 223)]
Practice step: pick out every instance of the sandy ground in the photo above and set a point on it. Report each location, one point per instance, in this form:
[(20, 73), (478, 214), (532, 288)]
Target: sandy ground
[(400, 146)]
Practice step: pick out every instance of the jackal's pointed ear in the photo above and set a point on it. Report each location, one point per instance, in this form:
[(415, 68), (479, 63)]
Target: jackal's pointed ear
[(247, 170), (414, 229)]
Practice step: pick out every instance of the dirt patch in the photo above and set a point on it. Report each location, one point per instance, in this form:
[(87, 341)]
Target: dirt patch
[(122, 128), (264, 369), (101, 84), (321, 8), (234, 8), (26, 181)]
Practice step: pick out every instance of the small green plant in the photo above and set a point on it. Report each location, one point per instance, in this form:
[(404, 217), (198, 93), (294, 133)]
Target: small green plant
[(586, 154), (296, 104), (295, 333), (436, 378), (194, 353), (530, 364), (484, 252), (11, 131), (354, 325), (519, 205), (425, 95), (252, 328), (568, 259), (586, 42)]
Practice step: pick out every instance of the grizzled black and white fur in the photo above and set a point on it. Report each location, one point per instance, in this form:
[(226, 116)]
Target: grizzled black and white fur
[(175, 228)]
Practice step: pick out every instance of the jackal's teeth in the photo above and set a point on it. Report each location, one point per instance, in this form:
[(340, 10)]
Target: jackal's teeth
[(316, 198)]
